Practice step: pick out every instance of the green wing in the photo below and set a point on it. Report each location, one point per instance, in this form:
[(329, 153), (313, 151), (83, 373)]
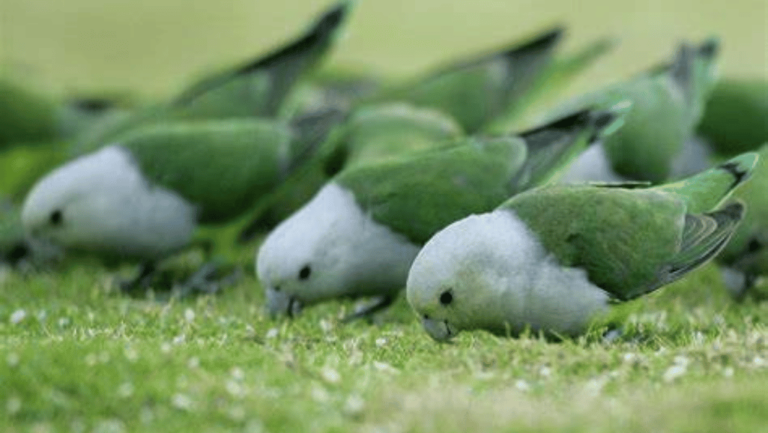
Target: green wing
[(654, 130), (423, 192), (664, 103), (554, 145), (706, 190), (380, 132), (477, 90), (225, 166), (629, 242), (260, 88), (25, 117)]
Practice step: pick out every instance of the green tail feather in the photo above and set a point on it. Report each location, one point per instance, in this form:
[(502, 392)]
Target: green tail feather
[(706, 190)]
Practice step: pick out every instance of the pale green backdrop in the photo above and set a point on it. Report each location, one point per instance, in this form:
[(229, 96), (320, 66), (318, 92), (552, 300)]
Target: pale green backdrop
[(153, 45)]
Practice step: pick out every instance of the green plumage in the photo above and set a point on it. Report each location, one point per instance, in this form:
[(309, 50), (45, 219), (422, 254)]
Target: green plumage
[(633, 241), (736, 116), (25, 116), (421, 193), (418, 196), (224, 166), (371, 134), (477, 90), (380, 132), (665, 107)]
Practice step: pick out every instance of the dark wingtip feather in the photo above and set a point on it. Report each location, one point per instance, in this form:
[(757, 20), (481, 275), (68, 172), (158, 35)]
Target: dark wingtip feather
[(318, 35), (323, 29), (710, 47), (91, 105), (740, 167), (543, 42), (575, 120)]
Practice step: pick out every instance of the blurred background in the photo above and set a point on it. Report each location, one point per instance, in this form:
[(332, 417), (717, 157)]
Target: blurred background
[(152, 47)]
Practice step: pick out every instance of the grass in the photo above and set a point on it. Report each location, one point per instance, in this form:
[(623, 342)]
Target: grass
[(76, 356)]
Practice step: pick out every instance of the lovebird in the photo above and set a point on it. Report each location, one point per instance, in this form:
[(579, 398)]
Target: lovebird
[(667, 103), (143, 197), (553, 259), (359, 234), (479, 90), (260, 88), (371, 133)]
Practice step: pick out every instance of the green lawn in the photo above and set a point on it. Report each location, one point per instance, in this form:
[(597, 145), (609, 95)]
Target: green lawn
[(77, 356)]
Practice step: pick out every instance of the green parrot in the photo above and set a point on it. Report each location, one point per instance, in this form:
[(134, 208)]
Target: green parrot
[(667, 103), (143, 197), (553, 259), (359, 234), (259, 88)]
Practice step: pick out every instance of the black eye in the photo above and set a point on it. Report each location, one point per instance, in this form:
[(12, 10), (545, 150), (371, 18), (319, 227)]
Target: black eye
[(446, 297), (305, 272), (56, 217)]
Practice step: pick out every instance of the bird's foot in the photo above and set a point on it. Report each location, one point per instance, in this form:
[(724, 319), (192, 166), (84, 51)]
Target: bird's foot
[(208, 280), (366, 311), (141, 282)]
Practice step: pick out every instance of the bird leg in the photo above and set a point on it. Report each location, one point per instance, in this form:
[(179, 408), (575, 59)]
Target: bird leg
[(140, 281), (207, 281), (367, 311)]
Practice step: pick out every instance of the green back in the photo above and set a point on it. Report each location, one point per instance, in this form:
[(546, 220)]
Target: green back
[(223, 167), (622, 238), (380, 132), (653, 131), (422, 193), (736, 116), (25, 116)]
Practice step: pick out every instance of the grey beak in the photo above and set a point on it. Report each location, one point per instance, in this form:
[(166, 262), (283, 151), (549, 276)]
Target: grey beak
[(439, 330), (281, 303)]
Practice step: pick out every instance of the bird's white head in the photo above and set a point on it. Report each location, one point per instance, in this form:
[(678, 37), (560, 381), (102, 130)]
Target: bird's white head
[(102, 203), (473, 274), (331, 248)]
